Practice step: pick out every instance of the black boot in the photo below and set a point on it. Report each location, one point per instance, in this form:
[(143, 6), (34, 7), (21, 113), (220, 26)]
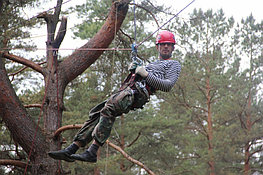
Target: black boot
[(65, 153), (90, 155)]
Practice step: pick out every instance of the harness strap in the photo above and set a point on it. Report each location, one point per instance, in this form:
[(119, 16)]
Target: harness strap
[(130, 81)]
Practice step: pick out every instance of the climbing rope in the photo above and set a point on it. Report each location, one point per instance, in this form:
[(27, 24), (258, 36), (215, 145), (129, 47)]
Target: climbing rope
[(38, 123), (134, 16), (134, 57), (165, 23)]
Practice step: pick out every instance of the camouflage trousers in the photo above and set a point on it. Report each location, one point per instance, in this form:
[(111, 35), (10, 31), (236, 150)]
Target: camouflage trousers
[(102, 117)]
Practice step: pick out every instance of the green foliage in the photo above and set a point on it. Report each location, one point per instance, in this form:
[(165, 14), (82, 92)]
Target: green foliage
[(211, 60)]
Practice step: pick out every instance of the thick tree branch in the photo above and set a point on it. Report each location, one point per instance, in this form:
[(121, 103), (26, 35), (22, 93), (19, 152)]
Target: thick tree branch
[(44, 15), (13, 162), (23, 61), (67, 127), (81, 59), (52, 20), (58, 9)]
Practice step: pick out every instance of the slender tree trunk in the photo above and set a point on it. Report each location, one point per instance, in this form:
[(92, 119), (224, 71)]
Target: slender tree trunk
[(211, 162), (248, 115), (248, 129), (210, 128)]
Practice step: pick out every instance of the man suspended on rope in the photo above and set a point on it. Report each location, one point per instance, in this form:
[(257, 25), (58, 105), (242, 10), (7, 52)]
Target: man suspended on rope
[(134, 93)]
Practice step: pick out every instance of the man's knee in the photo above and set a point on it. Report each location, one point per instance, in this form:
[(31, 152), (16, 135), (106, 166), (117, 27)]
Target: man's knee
[(103, 129), (122, 102)]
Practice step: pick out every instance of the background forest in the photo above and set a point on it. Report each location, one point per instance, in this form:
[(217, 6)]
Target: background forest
[(210, 123)]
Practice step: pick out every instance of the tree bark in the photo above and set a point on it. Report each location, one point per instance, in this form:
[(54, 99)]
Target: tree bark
[(247, 169), (81, 59), (23, 129), (211, 161), (13, 162), (38, 141)]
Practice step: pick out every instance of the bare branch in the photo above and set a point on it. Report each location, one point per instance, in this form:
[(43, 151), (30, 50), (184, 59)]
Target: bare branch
[(67, 127), (61, 33), (257, 151), (148, 11), (23, 61), (33, 106), (130, 158), (13, 162), (134, 139), (21, 70)]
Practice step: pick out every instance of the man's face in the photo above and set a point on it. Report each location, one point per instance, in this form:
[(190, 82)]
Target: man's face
[(165, 50)]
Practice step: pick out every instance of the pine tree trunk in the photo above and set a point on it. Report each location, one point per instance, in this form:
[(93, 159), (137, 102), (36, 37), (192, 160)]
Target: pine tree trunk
[(24, 130), (211, 162), (248, 129), (210, 129)]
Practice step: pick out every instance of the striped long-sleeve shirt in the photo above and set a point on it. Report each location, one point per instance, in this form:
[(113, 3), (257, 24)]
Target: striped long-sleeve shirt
[(163, 74)]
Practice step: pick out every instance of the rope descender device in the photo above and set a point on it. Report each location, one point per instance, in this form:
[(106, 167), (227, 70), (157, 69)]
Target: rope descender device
[(134, 57)]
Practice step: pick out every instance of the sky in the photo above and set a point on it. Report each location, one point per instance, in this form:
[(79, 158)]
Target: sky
[(237, 8)]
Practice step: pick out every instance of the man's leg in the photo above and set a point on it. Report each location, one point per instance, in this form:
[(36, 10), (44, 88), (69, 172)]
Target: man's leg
[(100, 135), (117, 104), (83, 136)]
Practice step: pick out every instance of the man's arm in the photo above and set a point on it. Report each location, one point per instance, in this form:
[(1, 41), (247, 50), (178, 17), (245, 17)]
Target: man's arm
[(167, 82)]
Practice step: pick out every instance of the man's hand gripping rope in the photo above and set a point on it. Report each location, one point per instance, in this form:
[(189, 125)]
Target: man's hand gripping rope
[(136, 65)]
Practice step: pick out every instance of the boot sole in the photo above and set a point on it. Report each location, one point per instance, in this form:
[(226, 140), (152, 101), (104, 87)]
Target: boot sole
[(59, 156), (83, 159)]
